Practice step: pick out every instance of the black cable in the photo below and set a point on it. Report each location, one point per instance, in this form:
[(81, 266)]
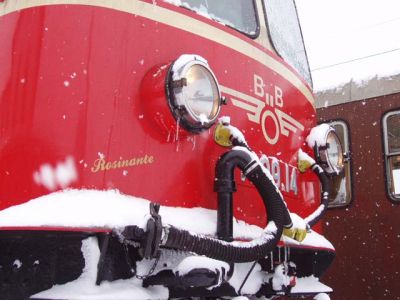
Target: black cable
[(355, 59)]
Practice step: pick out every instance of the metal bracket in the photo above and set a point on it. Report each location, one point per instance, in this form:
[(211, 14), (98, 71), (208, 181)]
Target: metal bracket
[(153, 232)]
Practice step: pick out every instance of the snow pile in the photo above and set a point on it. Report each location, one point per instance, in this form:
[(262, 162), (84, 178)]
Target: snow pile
[(310, 284), (322, 296), (316, 213), (200, 262), (110, 209), (280, 279), (113, 210), (203, 119), (78, 208), (305, 157), (318, 135), (312, 238), (298, 222), (235, 133), (180, 65), (254, 281)]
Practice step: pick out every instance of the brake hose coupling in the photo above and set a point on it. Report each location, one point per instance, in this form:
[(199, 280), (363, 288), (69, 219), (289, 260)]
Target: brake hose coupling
[(227, 135), (222, 135)]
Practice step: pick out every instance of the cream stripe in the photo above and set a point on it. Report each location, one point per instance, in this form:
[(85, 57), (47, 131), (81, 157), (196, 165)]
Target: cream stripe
[(172, 18), (240, 95)]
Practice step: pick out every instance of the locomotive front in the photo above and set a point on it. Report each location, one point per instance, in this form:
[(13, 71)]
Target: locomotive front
[(165, 143)]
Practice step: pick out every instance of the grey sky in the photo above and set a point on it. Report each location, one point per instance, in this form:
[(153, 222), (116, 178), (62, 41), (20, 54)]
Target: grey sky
[(350, 39)]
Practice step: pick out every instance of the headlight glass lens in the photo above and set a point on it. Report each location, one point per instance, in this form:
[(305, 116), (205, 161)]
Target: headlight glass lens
[(334, 152), (201, 94)]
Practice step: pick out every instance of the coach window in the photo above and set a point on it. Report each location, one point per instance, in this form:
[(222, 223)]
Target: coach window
[(391, 134), (285, 33), (341, 184), (238, 14)]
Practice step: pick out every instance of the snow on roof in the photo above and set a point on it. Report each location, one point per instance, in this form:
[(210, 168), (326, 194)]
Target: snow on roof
[(358, 90)]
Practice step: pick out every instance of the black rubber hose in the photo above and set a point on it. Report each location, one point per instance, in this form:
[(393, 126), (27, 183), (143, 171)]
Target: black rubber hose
[(275, 206), (313, 218), (225, 185), (278, 216)]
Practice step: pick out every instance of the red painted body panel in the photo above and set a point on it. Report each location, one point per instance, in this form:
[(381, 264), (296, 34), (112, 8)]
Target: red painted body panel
[(72, 85)]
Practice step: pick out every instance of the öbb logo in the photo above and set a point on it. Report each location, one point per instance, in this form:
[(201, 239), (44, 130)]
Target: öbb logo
[(278, 122)]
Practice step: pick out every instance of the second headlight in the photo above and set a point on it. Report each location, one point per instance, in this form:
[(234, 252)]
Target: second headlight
[(328, 148)]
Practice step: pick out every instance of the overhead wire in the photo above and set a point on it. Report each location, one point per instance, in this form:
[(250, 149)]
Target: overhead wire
[(355, 59)]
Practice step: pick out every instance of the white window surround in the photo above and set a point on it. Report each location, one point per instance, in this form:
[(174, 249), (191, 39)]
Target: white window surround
[(392, 154)]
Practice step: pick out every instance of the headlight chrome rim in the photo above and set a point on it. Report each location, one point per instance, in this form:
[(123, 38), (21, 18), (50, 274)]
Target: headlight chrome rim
[(332, 161), (177, 87), (327, 147)]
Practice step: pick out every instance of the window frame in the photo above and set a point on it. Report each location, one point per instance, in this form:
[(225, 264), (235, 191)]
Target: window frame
[(346, 145), (271, 40), (251, 36), (387, 155)]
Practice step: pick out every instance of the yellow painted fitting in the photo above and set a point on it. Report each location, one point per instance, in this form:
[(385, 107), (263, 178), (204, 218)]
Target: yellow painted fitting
[(297, 234), (222, 135), (304, 165)]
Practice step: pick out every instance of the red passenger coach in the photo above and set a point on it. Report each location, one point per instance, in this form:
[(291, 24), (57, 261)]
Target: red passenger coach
[(171, 144), (366, 195)]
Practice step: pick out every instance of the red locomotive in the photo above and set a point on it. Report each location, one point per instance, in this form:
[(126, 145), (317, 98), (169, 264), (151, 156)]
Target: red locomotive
[(160, 142)]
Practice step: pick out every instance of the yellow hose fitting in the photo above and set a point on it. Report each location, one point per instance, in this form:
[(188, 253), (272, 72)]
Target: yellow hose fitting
[(222, 135), (305, 162), (297, 234)]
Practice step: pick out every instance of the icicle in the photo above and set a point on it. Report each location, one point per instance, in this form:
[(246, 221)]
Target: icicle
[(169, 136), (272, 260), (192, 139), (177, 135), (279, 255)]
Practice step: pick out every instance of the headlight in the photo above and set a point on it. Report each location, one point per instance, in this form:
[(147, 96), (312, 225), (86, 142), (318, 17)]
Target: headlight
[(193, 93), (327, 147), (334, 151)]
